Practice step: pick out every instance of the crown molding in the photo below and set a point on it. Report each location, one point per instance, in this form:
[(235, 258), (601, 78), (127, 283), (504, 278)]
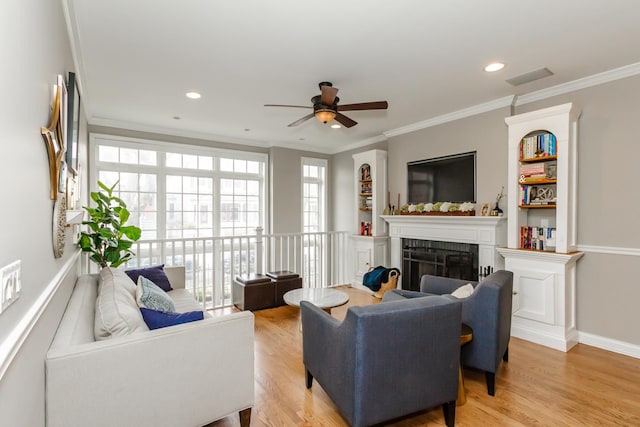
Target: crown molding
[(361, 143), (230, 140), (583, 83), (96, 121), (450, 117), (72, 32)]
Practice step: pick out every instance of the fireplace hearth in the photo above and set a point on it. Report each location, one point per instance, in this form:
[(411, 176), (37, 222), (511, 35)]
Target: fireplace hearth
[(483, 233), (447, 259)]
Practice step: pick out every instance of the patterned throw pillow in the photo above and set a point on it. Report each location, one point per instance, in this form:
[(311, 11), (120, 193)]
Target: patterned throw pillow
[(149, 295), (156, 274), (158, 319)]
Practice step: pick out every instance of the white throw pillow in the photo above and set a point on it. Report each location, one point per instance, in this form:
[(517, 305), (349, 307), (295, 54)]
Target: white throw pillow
[(117, 313), (151, 296), (463, 291)]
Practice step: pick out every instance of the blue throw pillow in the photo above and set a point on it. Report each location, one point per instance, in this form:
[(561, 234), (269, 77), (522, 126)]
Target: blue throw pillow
[(158, 319), (156, 274), (149, 295)]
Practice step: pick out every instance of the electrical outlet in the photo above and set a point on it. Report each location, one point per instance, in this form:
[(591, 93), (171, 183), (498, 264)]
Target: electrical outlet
[(10, 284)]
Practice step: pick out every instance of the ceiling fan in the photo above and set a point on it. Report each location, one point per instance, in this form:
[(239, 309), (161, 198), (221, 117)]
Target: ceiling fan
[(326, 108)]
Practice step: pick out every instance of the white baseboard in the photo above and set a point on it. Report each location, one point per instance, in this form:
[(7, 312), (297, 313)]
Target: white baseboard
[(540, 337), (609, 344)]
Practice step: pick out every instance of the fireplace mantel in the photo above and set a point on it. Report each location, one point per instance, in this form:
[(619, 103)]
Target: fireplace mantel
[(488, 232)]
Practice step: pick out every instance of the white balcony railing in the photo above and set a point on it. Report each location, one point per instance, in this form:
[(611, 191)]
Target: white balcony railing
[(212, 263)]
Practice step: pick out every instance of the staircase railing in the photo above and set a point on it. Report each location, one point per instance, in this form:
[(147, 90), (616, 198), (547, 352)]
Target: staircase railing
[(212, 263)]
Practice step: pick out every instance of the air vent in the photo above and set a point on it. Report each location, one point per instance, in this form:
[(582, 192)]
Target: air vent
[(530, 77)]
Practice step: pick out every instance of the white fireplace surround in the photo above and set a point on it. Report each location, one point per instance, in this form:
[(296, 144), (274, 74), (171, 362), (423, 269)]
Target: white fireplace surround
[(488, 232)]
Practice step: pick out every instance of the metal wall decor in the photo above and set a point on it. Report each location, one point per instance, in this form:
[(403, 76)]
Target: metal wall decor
[(54, 141), (54, 136)]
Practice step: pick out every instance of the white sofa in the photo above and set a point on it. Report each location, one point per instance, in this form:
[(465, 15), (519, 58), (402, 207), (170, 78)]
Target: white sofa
[(186, 375)]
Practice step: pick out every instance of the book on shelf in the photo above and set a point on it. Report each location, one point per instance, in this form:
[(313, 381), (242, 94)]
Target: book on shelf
[(365, 187), (535, 195), (546, 170), (538, 238), (536, 146)]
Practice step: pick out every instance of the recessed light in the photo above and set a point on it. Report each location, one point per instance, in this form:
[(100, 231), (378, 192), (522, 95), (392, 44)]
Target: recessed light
[(247, 129), (193, 95), (494, 66), (301, 139), (176, 117), (336, 126)]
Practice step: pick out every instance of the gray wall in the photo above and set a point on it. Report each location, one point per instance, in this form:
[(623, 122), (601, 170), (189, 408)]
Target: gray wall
[(608, 198), (608, 288), (285, 167), (485, 133), (35, 49)]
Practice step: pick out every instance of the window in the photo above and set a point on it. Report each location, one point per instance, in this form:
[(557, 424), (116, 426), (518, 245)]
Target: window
[(313, 195), (178, 191), (313, 219)]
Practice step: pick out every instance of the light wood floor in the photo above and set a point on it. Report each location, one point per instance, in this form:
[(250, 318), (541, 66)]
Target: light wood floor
[(537, 387)]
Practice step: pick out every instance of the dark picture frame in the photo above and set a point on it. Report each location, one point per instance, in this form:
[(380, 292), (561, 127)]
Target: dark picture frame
[(73, 122)]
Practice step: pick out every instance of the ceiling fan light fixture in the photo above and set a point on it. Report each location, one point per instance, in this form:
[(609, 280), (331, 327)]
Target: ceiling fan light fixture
[(325, 115)]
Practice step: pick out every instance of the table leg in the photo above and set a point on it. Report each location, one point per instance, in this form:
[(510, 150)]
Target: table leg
[(462, 396)]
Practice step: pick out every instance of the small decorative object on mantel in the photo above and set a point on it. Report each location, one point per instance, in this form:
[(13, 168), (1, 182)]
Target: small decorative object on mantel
[(496, 211), (439, 209)]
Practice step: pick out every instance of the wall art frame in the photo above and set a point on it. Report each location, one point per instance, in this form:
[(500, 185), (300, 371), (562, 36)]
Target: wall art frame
[(55, 146), (73, 125)]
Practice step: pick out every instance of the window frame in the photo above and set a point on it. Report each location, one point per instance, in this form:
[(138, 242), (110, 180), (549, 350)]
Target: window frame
[(162, 171), (322, 198)]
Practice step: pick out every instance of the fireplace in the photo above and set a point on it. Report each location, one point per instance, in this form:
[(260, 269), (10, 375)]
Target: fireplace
[(448, 259), (441, 245)]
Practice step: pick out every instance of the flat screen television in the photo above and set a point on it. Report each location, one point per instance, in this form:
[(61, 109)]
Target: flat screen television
[(442, 179)]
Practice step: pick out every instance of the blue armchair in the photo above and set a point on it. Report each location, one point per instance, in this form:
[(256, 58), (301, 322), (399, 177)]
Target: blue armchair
[(487, 311), (385, 360)]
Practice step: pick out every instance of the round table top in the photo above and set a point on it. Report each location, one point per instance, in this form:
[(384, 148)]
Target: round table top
[(320, 297)]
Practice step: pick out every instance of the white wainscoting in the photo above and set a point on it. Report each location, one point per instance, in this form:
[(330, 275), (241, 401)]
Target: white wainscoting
[(11, 346)]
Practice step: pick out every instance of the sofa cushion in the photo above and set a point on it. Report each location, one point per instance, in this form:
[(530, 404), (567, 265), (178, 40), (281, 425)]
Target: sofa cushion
[(156, 274), (149, 295), (161, 319), (117, 313), (463, 291)]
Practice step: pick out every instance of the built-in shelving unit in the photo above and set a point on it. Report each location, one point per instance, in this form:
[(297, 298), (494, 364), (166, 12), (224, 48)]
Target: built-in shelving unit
[(369, 240), (541, 227)]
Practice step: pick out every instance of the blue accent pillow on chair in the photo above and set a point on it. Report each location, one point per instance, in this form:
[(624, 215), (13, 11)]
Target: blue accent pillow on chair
[(158, 319), (156, 274)]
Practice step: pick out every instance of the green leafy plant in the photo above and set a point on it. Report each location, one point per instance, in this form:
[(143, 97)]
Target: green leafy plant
[(108, 239)]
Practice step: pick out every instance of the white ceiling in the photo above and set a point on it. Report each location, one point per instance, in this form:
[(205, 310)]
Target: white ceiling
[(137, 59)]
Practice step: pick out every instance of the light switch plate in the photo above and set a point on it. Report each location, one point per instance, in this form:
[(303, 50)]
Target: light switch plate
[(10, 285)]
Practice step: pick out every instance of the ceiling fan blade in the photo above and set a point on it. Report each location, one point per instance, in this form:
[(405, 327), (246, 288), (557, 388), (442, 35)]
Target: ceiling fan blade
[(303, 119), (328, 95), (282, 105), (345, 121), (377, 105)]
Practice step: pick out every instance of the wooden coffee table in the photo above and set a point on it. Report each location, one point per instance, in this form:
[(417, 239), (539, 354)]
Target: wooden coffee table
[(323, 298)]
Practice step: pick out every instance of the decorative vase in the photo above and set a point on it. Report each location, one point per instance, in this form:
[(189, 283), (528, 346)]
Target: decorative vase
[(496, 211)]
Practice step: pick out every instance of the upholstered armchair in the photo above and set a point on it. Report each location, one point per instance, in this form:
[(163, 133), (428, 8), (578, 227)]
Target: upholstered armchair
[(487, 311), (385, 361)]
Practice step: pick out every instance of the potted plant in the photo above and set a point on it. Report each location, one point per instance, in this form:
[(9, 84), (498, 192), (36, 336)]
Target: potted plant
[(108, 239)]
